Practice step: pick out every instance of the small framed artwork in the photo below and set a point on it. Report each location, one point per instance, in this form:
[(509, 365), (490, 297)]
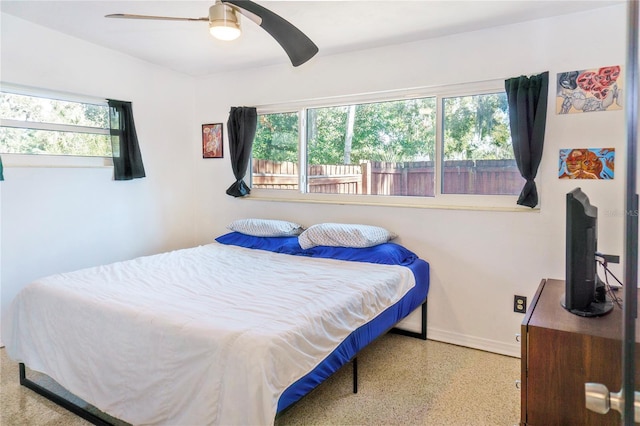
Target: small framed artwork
[(587, 163), (212, 140)]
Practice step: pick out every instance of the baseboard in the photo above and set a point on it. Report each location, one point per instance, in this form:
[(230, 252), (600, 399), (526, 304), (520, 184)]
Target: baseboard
[(509, 349), (413, 323)]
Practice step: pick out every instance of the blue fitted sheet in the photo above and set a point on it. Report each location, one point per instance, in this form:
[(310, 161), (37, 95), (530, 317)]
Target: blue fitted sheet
[(386, 253), (361, 337)]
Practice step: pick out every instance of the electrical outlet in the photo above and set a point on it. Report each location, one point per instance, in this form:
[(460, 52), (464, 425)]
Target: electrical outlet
[(519, 304)]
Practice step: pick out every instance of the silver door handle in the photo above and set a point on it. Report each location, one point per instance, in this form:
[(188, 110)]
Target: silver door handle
[(600, 400)]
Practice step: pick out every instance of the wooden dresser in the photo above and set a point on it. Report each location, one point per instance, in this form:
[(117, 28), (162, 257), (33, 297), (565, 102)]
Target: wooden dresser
[(560, 353)]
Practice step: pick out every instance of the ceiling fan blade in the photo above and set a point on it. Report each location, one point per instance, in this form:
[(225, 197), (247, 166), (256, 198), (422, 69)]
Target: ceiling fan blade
[(295, 43), (156, 18)]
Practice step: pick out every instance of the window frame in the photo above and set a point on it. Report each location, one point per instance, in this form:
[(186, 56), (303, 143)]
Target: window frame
[(439, 200), (53, 160)]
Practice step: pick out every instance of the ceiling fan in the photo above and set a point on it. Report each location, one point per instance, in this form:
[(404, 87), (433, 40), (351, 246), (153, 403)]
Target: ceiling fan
[(224, 24)]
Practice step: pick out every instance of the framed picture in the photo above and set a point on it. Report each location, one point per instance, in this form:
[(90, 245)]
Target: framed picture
[(212, 140), (587, 163), (597, 89)]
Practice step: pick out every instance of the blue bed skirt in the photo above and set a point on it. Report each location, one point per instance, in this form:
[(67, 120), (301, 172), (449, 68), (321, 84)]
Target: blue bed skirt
[(361, 337)]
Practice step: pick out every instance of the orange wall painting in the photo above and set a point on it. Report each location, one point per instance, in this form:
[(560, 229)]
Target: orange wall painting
[(587, 163)]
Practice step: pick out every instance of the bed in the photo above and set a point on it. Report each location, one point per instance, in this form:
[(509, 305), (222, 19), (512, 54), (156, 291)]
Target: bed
[(231, 332)]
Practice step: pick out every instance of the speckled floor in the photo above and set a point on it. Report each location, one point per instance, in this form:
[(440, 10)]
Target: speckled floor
[(402, 381)]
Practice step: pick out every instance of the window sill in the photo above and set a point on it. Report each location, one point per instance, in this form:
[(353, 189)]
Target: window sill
[(54, 161), (443, 202)]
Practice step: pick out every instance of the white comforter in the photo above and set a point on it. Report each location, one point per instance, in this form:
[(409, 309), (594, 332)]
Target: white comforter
[(208, 335)]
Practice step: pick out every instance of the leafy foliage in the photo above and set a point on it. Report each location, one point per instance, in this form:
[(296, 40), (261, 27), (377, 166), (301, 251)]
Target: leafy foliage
[(30, 141), (476, 127), (30, 109), (385, 131), (277, 137)]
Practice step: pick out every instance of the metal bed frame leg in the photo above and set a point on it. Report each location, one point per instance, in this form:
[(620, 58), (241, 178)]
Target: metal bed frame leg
[(423, 333), (76, 409), (355, 374)]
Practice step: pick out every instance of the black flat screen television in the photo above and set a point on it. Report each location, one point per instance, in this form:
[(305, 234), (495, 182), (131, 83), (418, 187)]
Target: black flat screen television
[(585, 293)]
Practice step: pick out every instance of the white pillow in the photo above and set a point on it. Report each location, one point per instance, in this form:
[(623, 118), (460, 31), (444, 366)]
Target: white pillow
[(266, 227), (344, 235)]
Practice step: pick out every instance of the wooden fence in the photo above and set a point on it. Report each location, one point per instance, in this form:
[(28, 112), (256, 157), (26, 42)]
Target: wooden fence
[(500, 177)]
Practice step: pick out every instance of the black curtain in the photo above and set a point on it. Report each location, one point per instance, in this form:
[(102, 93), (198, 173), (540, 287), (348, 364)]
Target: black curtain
[(241, 128), (527, 97), (127, 160)]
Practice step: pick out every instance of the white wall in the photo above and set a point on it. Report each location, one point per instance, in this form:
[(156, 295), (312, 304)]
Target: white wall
[(61, 219), (57, 220), (479, 259)]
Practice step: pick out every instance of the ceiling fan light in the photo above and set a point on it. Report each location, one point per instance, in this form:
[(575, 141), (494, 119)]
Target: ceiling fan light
[(225, 33), (224, 22)]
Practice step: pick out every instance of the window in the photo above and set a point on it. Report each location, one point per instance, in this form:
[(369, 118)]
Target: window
[(33, 124), (478, 156), (275, 152), (354, 149), (450, 141), (381, 148)]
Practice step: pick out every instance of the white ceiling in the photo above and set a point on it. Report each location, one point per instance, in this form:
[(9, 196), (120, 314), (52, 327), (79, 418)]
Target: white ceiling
[(335, 26)]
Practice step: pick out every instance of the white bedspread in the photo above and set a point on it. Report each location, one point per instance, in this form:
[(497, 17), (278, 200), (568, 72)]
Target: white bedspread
[(208, 335)]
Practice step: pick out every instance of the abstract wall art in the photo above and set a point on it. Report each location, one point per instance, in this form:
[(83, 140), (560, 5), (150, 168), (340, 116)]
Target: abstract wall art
[(212, 144), (598, 89), (587, 163)]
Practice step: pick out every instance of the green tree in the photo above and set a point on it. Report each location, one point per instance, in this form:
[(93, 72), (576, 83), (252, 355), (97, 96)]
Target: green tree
[(476, 127), (277, 137), (395, 131), (42, 110), (386, 131)]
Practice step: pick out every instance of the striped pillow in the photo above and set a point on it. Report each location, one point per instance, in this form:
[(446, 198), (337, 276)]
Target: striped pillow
[(266, 227), (344, 235)]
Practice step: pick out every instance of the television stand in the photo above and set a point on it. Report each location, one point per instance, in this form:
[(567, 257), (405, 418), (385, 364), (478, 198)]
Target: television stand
[(560, 353), (595, 309)]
